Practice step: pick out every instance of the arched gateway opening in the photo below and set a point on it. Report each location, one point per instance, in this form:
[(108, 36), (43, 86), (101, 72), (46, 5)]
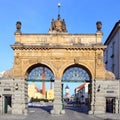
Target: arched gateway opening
[(76, 91), (40, 86)]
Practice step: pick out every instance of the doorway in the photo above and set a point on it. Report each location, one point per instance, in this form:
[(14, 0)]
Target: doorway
[(7, 103), (110, 104)]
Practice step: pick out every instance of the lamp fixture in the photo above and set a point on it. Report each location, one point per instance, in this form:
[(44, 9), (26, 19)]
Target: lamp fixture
[(98, 89), (16, 86)]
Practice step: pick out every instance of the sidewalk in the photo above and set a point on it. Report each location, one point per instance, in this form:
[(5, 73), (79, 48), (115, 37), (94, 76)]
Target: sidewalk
[(42, 114), (108, 116)]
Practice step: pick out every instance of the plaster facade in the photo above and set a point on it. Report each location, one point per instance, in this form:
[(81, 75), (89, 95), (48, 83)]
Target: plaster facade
[(112, 57)]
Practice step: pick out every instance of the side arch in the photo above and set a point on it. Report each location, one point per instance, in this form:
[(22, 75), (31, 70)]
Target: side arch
[(32, 66), (86, 67)]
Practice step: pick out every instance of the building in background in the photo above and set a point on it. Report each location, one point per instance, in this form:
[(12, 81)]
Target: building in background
[(50, 94), (34, 92), (111, 54), (81, 93)]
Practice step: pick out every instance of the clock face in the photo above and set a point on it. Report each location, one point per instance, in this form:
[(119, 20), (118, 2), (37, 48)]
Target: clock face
[(76, 73)]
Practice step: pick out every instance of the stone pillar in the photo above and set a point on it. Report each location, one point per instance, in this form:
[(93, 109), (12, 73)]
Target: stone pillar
[(0, 99), (1, 104), (19, 99), (100, 99), (57, 106), (118, 100), (92, 104), (116, 105)]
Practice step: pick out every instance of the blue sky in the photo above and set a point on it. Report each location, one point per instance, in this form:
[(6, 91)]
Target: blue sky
[(36, 15)]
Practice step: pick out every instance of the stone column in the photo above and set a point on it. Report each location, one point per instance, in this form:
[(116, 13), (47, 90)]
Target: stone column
[(0, 99), (1, 104), (118, 100), (116, 105), (57, 106), (19, 100), (93, 91)]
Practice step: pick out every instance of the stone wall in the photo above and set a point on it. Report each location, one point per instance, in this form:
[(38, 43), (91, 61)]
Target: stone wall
[(17, 90), (103, 89), (6, 89), (20, 97)]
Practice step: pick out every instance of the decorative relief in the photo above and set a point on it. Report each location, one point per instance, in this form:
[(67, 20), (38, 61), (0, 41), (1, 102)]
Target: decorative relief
[(17, 54), (25, 62), (57, 64), (99, 58), (41, 39), (39, 60), (58, 25), (17, 61), (76, 60), (32, 61)]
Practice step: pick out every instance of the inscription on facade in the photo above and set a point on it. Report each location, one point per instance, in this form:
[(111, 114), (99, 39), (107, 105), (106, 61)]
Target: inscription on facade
[(109, 91), (7, 89)]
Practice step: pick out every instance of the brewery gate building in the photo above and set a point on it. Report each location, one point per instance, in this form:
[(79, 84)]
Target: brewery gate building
[(58, 51)]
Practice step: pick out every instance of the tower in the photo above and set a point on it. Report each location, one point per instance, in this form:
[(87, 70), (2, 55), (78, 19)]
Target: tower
[(67, 91)]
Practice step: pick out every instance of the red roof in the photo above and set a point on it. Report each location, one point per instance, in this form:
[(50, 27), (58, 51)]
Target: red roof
[(81, 86)]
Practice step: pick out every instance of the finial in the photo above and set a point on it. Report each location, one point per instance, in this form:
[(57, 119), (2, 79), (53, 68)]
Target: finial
[(99, 25), (59, 8), (18, 27), (59, 4)]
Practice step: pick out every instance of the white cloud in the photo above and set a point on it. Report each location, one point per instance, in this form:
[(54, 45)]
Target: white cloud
[(1, 74)]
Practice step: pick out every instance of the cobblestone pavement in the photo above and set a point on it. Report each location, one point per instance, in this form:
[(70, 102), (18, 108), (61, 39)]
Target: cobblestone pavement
[(72, 113)]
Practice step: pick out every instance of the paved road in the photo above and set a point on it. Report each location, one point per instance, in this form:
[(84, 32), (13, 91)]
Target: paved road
[(41, 114), (72, 113)]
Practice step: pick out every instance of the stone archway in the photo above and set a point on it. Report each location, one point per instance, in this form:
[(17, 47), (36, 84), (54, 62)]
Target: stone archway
[(58, 50), (40, 84), (78, 77), (34, 66), (78, 68)]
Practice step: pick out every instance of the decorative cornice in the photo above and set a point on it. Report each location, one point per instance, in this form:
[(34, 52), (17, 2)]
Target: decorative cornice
[(68, 47)]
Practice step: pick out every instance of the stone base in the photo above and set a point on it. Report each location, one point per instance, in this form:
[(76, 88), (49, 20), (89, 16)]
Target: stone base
[(95, 112), (20, 112), (57, 112), (90, 112), (17, 112)]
